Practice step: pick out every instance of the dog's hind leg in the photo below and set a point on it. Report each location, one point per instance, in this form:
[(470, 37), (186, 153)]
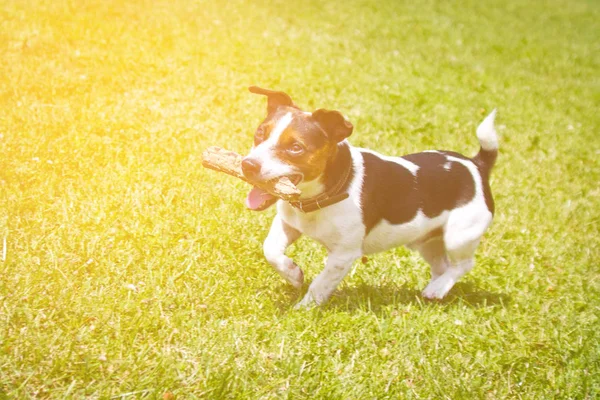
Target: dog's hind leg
[(461, 238), (434, 252), (280, 237), (461, 262)]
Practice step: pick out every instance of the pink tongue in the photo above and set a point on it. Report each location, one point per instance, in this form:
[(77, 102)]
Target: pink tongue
[(256, 198)]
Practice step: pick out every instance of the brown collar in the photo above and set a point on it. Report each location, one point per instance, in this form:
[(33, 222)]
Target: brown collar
[(327, 198)]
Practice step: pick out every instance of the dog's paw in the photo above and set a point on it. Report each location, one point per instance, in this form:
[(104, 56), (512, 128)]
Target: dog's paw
[(295, 277), (437, 289), (306, 303)]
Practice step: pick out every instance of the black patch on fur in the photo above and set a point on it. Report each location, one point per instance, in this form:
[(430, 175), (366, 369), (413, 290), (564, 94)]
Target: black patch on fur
[(485, 160), (337, 167), (388, 192), (440, 188), (312, 134), (275, 98), (391, 192)]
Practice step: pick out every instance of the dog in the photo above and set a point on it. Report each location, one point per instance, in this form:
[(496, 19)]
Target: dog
[(358, 202)]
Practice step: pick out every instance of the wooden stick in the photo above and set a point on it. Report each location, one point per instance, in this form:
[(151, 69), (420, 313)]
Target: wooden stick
[(231, 163)]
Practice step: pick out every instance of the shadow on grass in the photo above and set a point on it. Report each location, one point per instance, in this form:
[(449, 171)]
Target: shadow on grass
[(376, 298)]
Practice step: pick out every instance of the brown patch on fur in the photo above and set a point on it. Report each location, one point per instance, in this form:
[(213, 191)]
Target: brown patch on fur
[(264, 129), (319, 150)]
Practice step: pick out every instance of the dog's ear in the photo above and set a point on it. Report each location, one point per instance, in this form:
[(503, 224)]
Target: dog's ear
[(275, 98), (333, 123)]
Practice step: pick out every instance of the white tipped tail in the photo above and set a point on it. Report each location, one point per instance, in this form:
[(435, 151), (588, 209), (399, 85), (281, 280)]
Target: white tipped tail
[(486, 133)]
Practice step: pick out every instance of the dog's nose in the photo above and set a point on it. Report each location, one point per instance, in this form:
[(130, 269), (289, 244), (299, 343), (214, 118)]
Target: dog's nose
[(250, 167)]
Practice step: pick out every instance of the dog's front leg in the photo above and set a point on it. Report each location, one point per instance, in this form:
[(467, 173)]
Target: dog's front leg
[(337, 267), (279, 238)]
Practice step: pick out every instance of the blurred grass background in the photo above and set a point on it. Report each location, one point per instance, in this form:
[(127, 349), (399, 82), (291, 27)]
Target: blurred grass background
[(128, 271)]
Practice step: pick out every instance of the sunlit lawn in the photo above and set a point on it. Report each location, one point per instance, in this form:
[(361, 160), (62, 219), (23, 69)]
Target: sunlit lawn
[(129, 271)]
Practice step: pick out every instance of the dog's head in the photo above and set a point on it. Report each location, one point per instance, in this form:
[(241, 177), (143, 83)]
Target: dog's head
[(292, 143)]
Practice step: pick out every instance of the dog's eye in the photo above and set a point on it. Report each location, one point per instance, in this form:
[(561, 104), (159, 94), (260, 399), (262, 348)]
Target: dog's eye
[(296, 149), (259, 136)]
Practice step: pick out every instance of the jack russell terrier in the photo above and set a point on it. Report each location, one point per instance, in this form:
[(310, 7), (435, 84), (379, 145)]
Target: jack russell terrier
[(357, 202)]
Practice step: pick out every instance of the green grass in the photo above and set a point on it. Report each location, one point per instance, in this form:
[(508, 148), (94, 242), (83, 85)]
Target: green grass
[(130, 271)]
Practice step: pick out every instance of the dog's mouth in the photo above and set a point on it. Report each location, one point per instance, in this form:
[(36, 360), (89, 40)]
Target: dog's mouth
[(259, 199)]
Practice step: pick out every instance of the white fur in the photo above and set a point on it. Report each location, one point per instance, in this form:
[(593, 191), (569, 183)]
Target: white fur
[(340, 229), (274, 249), (386, 236), (486, 133), (311, 188), (271, 166), (281, 125)]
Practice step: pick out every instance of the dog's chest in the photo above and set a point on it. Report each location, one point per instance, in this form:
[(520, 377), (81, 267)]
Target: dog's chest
[(332, 226)]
